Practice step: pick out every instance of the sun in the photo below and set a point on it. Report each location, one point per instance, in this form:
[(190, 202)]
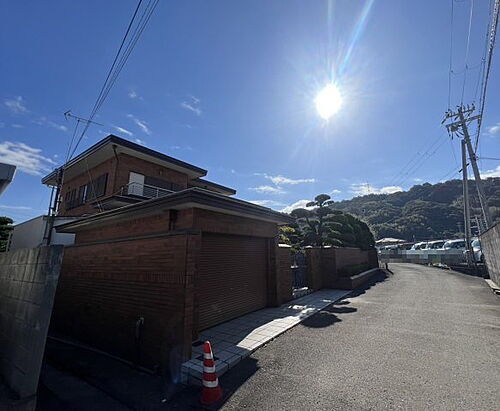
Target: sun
[(328, 101)]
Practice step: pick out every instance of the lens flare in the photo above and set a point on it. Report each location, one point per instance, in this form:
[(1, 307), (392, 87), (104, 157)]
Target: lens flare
[(328, 101)]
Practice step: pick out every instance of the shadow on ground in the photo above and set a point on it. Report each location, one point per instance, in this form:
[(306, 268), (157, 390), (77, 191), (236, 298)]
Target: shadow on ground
[(330, 315)]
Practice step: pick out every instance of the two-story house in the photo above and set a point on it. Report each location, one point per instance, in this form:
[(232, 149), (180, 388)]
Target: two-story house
[(115, 172), (159, 255)]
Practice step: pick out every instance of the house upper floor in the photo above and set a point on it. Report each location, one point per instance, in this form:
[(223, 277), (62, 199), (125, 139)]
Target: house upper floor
[(116, 172)]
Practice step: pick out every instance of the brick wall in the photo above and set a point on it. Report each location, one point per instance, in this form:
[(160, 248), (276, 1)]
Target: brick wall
[(136, 226), (118, 170), (284, 273), (323, 264), (28, 281), (127, 163), (213, 222), (105, 288), (108, 166)]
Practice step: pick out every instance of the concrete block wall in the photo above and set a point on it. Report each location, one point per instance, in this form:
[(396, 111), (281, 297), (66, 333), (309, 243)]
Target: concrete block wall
[(28, 281), (490, 244)]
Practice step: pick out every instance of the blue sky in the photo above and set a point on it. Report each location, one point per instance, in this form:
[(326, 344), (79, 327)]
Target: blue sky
[(230, 86)]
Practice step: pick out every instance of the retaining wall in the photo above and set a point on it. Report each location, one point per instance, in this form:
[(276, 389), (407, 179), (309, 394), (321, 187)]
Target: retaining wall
[(490, 244), (28, 281)]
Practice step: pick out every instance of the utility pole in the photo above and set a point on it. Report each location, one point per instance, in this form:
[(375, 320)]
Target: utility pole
[(468, 250), (460, 126)]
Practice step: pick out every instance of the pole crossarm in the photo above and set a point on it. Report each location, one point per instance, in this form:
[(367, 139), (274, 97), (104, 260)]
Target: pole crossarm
[(459, 125)]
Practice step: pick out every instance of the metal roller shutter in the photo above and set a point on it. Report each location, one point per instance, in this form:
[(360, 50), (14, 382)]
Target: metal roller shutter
[(232, 277)]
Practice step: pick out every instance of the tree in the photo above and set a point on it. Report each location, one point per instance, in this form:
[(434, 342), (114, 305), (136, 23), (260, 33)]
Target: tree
[(316, 230), (5, 229), (321, 225)]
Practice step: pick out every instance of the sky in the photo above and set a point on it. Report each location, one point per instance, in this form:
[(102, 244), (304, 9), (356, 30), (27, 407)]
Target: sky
[(230, 86)]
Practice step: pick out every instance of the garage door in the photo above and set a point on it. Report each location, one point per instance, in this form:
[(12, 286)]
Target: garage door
[(232, 277)]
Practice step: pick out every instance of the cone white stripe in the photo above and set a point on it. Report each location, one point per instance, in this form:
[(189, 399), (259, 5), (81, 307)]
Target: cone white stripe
[(207, 356), (211, 384), (209, 369)]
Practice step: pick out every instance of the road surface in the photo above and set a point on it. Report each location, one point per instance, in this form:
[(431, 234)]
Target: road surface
[(419, 339)]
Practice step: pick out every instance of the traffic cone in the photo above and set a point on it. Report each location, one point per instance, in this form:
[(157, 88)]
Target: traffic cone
[(211, 391)]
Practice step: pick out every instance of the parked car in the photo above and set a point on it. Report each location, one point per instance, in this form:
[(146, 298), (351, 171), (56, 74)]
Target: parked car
[(435, 245), (477, 253), (454, 245), (419, 246)]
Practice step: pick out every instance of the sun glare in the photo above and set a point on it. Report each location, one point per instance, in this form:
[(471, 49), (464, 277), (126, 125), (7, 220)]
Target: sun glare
[(328, 101)]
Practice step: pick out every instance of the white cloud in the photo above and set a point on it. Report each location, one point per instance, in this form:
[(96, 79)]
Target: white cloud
[(494, 129), (16, 105), (43, 121), (264, 189), (335, 191), (7, 207), (298, 204), (26, 158), (491, 173), (192, 105), (140, 123), (281, 180), (362, 189), (17, 126), (267, 203), (139, 141), (417, 180), (123, 131)]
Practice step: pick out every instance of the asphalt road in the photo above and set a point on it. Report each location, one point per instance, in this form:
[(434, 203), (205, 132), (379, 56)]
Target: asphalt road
[(420, 339)]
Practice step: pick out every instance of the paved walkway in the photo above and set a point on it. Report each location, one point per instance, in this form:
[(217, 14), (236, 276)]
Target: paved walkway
[(236, 339)]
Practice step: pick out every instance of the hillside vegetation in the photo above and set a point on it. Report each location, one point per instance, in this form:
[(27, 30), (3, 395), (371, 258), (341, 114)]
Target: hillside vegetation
[(426, 211)]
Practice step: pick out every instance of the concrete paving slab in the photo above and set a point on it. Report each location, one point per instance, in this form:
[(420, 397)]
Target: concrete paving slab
[(238, 338)]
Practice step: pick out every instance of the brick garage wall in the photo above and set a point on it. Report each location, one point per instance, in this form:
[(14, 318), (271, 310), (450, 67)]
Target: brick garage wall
[(136, 226), (28, 281), (490, 244), (284, 273), (105, 288), (213, 222)]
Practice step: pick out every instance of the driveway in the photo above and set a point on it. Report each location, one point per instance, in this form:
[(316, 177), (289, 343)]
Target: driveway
[(420, 338)]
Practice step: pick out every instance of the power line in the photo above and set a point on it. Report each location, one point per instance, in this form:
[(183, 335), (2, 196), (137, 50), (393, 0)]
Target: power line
[(127, 45), (451, 55), (467, 50), (491, 38)]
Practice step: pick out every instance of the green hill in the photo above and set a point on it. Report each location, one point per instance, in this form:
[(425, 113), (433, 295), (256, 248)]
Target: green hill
[(426, 211)]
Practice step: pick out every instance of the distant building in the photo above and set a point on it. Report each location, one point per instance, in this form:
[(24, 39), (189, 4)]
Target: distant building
[(7, 172)]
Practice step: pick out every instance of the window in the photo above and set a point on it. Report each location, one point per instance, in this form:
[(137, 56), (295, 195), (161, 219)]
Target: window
[(82, 195), (70, 199), (97, 187)]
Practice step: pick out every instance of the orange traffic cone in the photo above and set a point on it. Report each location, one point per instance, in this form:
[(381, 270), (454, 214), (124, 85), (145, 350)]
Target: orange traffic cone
[(211, 391)]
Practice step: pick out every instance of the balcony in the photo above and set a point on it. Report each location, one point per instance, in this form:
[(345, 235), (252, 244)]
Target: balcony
[(143, 190)]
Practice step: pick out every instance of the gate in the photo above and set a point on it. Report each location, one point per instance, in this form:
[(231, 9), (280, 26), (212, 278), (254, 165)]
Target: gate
[(299, 270)]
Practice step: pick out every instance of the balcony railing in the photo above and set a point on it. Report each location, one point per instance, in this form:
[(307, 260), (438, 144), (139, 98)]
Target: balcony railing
[(144, 190)]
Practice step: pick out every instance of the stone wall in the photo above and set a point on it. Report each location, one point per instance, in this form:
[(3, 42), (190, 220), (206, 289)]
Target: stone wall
[(490, 244), (28, 281)]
